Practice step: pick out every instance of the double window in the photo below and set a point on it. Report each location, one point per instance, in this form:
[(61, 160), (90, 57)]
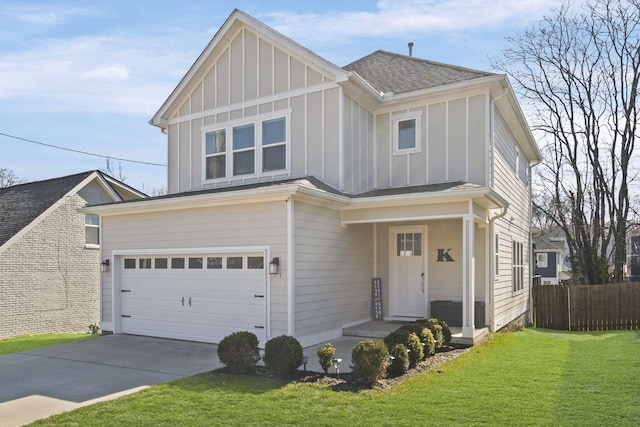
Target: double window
[(254, 148)]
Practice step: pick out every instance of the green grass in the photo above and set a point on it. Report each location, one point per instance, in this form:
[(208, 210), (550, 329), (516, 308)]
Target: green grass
[(32, 342), (531, 378)]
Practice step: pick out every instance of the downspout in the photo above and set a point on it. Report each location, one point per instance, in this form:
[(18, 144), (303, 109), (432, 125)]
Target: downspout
[(531, 254)]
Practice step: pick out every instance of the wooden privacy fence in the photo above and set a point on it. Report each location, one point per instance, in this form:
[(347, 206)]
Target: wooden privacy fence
[(587, 308)]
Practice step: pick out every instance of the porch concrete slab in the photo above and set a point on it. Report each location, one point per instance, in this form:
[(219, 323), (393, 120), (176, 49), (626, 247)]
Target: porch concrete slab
[(44, 382)]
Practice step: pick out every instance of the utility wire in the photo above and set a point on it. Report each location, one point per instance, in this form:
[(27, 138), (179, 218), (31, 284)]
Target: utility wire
[(81, 152)]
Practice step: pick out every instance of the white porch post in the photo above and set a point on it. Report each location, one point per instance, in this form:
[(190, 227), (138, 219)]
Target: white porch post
[(468, 276)]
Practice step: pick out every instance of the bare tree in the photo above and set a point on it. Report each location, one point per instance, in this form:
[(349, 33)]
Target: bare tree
[(8, 178), (578, 69), (118, 174)]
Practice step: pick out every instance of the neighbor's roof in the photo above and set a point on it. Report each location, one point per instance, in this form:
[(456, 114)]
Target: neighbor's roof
[(542, 244), (21, 204), (392, 72)]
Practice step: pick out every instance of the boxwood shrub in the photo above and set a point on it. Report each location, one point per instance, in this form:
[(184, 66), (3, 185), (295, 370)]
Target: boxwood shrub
[(283, 355), (325, 356), (370, 359), (399, 360), (238, 352)]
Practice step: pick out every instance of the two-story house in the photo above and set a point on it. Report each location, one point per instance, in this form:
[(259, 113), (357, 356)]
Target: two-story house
[(293, 183)]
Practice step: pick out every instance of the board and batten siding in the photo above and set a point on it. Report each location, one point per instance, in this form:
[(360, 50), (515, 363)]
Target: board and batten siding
[(454, 144), (359, 158), (515, 226), (333, 270), (251, 77), (241, 225)]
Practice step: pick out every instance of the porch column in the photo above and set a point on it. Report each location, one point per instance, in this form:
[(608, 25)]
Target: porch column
[(468, 276)]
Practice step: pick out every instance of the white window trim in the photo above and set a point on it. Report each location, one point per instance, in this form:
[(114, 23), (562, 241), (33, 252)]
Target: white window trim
[(256, 121), (91, 245), (517, 268), (395, 120)]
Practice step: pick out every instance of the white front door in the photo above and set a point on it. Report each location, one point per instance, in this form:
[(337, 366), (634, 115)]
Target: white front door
[(408, 271)]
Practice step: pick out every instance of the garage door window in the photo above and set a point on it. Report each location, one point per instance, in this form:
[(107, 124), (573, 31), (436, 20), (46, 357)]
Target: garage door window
[(177, 262), (255, 262), (144, 263), (129, 263), (214, 262), (195, 263), (160, 263), (234, 262)]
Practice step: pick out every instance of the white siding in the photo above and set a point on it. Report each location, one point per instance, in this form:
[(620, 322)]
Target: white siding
[(359, 157), (508, 304), (241, 225), (333, 270)]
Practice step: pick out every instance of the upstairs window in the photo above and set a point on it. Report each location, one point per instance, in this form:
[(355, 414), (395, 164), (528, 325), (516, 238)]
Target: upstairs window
[(92, 230), (406, 133), (254, 148)]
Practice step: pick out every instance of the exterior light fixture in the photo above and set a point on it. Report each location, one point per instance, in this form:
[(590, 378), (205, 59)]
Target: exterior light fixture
[(305, 360), (274, 266), (104, 266), (336, 364)]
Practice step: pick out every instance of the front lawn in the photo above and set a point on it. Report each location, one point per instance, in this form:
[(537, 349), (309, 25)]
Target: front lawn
[(532, 378), (32, 342)]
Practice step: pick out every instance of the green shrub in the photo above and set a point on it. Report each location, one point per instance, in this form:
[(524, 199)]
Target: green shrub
[(414, 346), (438, 336), (283, 355), (325, 356), (399, 360), (446, 331), (370, 359), (238, 352), (429, 342)]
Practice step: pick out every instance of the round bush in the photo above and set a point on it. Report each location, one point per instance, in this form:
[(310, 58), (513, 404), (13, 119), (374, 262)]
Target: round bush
[(325, 356), (414, 346), (446, 331), (438, 336), (370, 359), (429, 342), (283, 355), (238, 352), (399, 360)]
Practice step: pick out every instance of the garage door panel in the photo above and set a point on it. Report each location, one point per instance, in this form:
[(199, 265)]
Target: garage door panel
[(202, 304)]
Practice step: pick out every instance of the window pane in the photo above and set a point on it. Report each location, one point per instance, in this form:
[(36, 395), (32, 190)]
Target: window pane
[(214, 262), (400, 244), (144, 263), (408, 244), (195, 262), (160, 263), (129, 263), (91, 219), (177, 262), (243, 163), (92, 235), (243, 137), (274, 158), (406, 134), (216, 167), (216, 142), (255, 262), (273, 131), (417, 244), (234, 262)]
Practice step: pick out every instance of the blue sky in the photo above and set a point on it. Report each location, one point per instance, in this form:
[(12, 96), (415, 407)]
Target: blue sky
[(88, 75)]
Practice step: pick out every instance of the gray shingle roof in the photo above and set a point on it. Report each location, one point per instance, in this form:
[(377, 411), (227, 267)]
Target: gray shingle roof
[(391, 72), (21, 204)]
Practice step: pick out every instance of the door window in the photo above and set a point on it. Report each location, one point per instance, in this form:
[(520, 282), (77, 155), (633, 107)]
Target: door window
[(409, 244)]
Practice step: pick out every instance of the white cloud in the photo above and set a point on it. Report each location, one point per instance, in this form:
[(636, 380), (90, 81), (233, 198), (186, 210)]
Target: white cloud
[(112, 73), (42, 14)]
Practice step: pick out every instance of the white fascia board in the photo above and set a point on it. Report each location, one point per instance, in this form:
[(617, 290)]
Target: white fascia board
[(256, 195), (426, 198), (363, 84)]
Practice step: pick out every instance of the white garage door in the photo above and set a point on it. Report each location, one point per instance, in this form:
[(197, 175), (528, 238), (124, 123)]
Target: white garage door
[(202, 297)]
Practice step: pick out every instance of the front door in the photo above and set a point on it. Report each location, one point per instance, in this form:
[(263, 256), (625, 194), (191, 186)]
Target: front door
[(408, 271)]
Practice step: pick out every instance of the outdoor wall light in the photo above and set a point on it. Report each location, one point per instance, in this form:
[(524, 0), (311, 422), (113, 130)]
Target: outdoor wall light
[(274, 266), (104, 266)]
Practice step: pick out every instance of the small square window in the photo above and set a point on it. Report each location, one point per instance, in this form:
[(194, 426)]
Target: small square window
[(234, 262), (144, 263), (406, 133), (195, 263), (160, 263), (177, 262), (214, 262), (129, 263), (255, 262)]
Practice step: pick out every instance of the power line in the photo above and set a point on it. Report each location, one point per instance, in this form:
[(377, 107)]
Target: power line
[(80, 151)]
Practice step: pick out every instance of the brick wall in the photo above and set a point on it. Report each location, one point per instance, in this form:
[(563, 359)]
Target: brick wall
[(49, 281)]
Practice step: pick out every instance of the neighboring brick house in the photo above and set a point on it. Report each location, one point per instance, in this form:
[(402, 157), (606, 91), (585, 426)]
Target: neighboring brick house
[(49, 253)]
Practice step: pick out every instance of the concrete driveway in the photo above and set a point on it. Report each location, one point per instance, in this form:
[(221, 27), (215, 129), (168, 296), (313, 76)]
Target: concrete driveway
[(37, 384)]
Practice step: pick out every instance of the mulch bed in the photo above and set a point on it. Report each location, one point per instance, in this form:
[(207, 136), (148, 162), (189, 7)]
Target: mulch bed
[(349, 382)]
